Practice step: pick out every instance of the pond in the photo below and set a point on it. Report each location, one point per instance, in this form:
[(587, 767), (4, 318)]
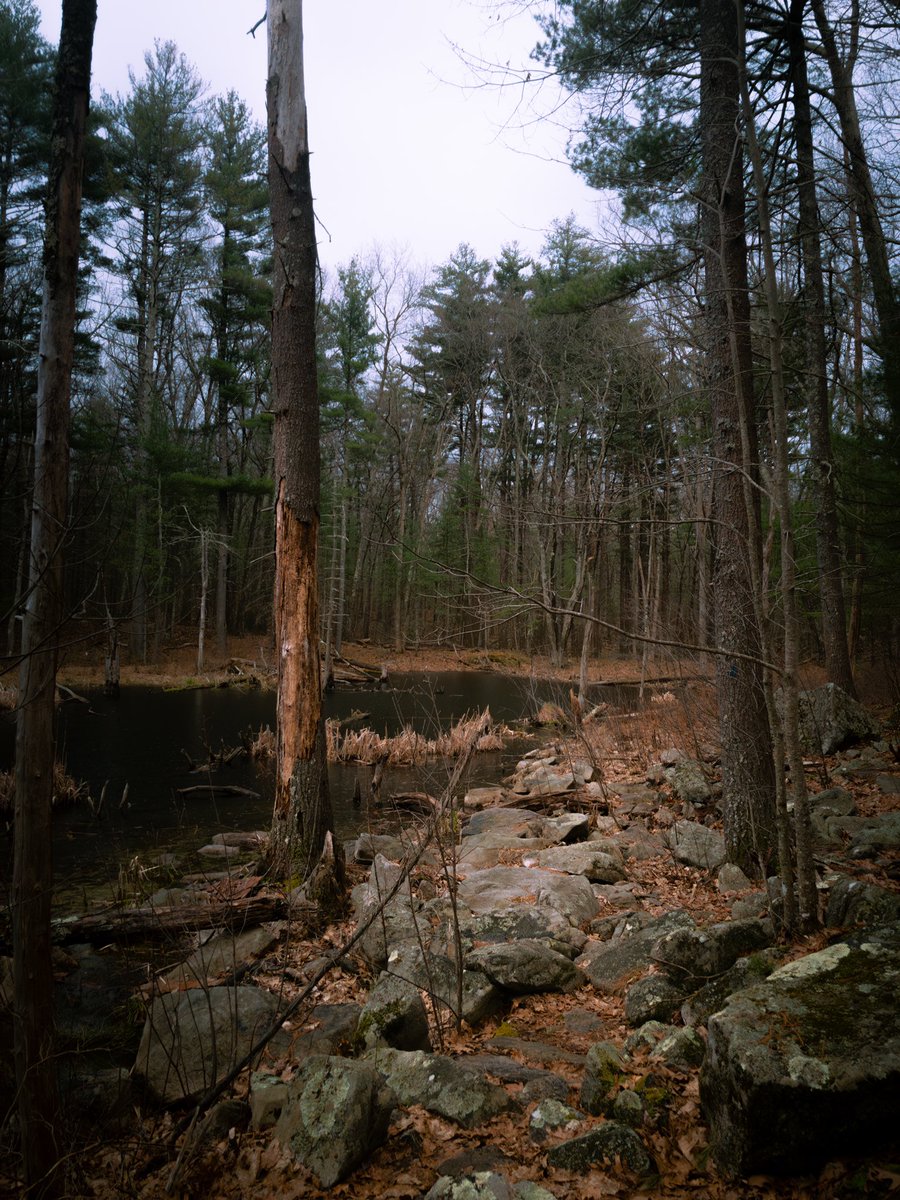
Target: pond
[(143, 739)]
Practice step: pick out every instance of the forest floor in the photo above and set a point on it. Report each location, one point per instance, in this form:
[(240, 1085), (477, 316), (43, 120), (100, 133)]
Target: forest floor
[(139, 1163), (420, 1145)]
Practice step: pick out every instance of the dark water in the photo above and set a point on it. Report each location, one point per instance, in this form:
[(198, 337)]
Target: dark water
[(138, 739)]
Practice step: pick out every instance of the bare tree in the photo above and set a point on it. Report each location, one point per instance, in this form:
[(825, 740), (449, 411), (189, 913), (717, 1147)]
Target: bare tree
[(38, 1096), (302, 816)]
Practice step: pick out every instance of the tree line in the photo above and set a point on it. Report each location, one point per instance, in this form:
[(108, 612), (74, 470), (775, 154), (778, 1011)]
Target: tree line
[(508, 445)]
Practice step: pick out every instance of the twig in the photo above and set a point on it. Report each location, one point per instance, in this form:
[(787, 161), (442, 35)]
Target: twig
[(411, 859)]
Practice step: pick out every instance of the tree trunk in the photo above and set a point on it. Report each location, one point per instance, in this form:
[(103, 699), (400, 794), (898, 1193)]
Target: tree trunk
[(828, 544), (747, 775), (38, 1095), (862, 191), (302, 814)]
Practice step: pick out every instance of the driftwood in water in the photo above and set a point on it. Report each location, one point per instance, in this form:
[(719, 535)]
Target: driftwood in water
[(151, 924), (419, 802), (224, 758), (217, 789), (66, 695)]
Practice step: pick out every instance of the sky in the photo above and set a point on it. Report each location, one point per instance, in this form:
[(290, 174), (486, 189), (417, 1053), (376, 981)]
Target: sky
[(411, 150)]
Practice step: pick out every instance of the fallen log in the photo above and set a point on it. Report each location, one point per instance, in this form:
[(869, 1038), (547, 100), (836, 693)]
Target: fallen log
[(419, 802), (153, 924), (217, 789)]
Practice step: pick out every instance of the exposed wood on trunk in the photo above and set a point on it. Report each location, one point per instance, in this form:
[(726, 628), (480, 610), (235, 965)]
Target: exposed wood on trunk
[(302, 813)]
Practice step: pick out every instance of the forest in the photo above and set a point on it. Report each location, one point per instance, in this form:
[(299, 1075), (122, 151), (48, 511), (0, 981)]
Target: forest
[(506, 444), (673, 442)]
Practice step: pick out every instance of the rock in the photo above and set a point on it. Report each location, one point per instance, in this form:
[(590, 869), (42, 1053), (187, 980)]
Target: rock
[(221, 1119), (472, 1159), (547, 781), (511, 924), (394, 1015), (731, 879), (477, 1185), (628, 1108), (570, 895), (538, 1052), (875, 834), (369, 845), (836, 801), (608, 964), (436, 974), (484, 850), (830, 720), (671, 757), (516, 822), (525, 1189), (567, 828), (226, 954), (603, 1069), (104, 1097), (552, 1114), (753, 904), (526, 967), (689, 782), (257, 839), (441, 1086), (688, 955), (538, 1083), (853, 902), (268, 1094), (653, 998), (650, 1034), (600, 862), (336, 1113), (696, 845), (699, 1007), (682, 1050), (192, 1039), (605, 1143), (582, 1020), (218, 851), (636, 842), (333, 1032), (805, 1066)]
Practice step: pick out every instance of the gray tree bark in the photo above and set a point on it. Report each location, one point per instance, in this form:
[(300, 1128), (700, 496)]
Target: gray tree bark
[(37, 1086), (747, 774)]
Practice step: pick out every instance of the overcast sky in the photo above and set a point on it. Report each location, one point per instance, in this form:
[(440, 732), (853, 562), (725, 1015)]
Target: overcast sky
[(407, 149)]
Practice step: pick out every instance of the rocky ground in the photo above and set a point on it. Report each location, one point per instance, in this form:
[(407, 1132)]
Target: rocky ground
[(569, 994)]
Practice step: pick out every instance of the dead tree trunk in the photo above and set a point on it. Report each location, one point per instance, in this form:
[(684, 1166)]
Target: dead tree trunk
[(38, 1094), (302, 814)]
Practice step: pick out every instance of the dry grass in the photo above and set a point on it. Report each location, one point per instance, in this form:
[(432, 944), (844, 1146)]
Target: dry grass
[(406, 748), (66, 790), (687, 720)]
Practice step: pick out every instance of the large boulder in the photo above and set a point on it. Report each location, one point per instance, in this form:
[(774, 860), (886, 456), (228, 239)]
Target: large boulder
[(600, 862), (805, 1066), (394, 1015), (335, 1114), (526, 966), (608, 964), (831, 720), (192, 1039), (607, 1142), (436, 974), (855, 902), (689, 957), (696, 845), (498, 887)]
